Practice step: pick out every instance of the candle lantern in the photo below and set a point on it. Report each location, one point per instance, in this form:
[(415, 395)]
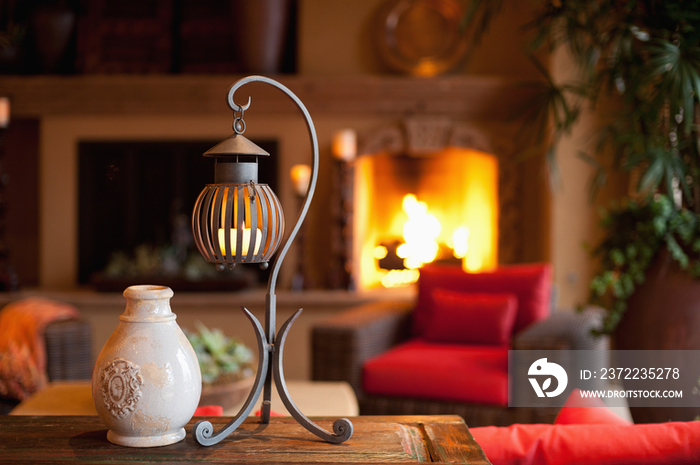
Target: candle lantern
[(238, 220)]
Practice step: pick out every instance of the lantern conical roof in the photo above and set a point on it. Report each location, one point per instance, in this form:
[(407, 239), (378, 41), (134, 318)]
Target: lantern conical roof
[(236, 145)]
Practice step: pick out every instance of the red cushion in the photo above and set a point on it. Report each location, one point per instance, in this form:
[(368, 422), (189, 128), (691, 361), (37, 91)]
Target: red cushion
[(673, 443), (451, 372), (466, 318), (579, 410), (530, 283)]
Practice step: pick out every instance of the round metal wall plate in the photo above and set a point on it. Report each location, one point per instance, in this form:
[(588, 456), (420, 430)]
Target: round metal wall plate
[(422, 37)]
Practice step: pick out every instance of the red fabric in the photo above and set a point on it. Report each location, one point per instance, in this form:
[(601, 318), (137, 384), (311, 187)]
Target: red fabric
[(471, 318), (673, 443), (209, 411), (22, 346), (451, 372), (272, 413), (530, 283), (587, 411)]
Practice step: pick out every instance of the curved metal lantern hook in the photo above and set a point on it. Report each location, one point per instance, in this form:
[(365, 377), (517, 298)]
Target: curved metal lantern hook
[(238, 122), (267, 342), (235, 107)]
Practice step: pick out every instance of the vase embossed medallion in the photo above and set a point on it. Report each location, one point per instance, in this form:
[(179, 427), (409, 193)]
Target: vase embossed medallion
[(146, 382)]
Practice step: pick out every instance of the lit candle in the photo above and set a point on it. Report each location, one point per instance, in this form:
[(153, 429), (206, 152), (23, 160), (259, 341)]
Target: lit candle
[(4, 112), (344, 146), (301, 174), (246, 241)]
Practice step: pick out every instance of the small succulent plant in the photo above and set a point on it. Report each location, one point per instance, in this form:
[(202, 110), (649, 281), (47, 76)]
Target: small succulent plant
[(221, 358)]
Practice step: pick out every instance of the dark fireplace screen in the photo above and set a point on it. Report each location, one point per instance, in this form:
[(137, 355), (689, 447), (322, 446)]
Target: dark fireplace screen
[(135, 206)]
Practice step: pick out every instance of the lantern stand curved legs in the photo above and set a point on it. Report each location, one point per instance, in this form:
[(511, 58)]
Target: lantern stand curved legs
[(268, 343), (203, 431), (342, 427)]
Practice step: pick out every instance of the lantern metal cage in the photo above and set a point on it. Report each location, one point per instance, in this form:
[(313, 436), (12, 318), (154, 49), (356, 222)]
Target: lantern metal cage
[(223, 210)]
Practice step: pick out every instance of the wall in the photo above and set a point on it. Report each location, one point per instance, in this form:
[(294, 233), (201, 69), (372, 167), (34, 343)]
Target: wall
[(339, 37), (575, 216)]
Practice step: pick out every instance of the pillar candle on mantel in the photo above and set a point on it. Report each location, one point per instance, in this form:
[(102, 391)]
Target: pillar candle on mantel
[(344, 145), (4, 112)]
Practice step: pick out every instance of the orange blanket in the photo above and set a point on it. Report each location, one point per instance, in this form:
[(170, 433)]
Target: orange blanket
[(22, 348)]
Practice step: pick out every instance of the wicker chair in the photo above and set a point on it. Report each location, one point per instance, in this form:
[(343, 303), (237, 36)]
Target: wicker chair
[(68, 354), (342, 343)]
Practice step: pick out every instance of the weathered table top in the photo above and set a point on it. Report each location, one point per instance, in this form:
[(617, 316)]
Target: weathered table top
[(43, 439)]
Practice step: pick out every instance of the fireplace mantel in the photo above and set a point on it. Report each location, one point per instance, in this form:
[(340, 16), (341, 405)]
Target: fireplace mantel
[(463, 97)]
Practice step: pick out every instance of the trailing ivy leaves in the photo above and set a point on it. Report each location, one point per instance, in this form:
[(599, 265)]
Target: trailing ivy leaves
[(635, 234)]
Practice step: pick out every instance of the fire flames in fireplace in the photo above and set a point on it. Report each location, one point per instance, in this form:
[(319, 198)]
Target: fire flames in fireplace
[(411, 211)]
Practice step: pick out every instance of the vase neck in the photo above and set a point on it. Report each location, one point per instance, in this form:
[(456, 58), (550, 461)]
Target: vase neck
[(147, 303)]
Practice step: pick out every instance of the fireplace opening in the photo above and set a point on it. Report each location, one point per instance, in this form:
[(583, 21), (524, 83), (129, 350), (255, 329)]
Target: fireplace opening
[(135, 206), (416, 209)]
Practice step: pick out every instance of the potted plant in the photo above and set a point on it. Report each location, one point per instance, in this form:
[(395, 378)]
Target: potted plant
[(644, 56), (226, 364), (642, 237)]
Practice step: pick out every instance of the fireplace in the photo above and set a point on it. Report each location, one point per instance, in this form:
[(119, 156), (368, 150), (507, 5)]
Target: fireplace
[(430, 190), (135, 203), (413, 210)]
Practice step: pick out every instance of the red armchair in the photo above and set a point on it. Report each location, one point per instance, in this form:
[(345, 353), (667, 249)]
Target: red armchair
[(448, 353)]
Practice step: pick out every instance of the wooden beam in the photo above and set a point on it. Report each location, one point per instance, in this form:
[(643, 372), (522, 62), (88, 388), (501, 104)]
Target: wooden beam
[(465, 97)]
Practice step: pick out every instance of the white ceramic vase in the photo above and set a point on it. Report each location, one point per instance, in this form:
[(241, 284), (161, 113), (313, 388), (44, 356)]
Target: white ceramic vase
[(146, 382)]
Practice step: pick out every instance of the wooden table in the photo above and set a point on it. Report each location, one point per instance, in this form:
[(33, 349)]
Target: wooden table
[(397, 439)]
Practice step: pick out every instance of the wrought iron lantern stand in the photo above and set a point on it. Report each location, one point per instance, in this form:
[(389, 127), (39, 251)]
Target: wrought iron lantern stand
[(219, 220)]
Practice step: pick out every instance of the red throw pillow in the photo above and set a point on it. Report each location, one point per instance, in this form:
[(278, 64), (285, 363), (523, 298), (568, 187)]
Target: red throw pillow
[(578, 410), (672, 443), (530, 283), (465, 318)]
